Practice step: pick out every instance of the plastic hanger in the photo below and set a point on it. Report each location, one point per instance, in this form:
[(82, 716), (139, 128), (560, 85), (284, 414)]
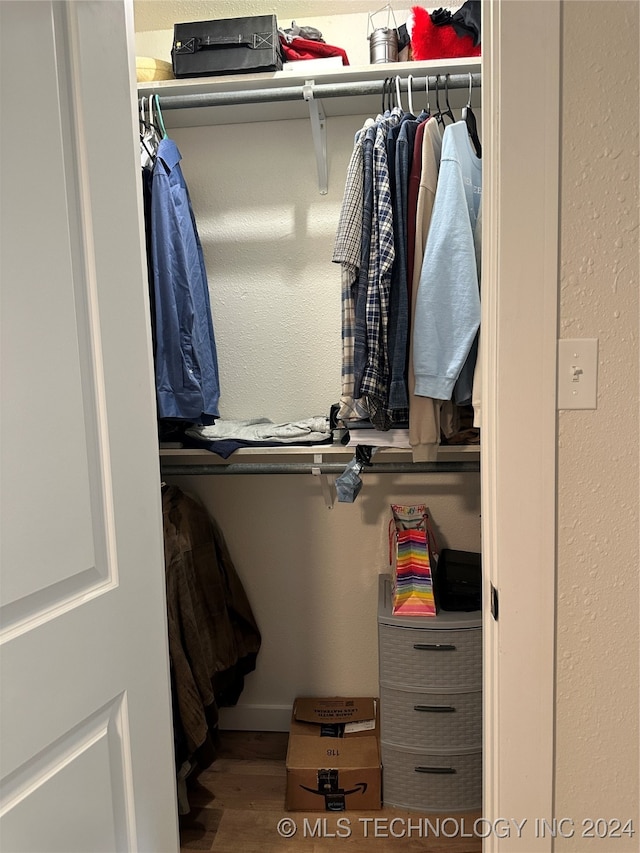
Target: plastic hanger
[(390, 103), (427, 108), (398, 97), (385, 89), (156, 104), (438, 115), (148, 137), (390, 96), (410, 94), (468, 116), (448, 112)]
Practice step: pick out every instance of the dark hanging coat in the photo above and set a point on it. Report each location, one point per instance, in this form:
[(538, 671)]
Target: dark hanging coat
[(213, 635)]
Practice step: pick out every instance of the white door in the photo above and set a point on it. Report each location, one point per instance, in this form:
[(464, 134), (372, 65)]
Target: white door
[(86, 739)]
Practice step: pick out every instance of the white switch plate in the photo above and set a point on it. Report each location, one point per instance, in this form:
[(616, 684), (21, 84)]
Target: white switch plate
[(577, 373)]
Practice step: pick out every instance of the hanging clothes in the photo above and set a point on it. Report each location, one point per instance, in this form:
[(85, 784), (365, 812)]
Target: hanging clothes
[(447, 314), (213, 636), (346, 252), (424, 412), (398, 400), (413, 288), (374, 384), (186, 361)]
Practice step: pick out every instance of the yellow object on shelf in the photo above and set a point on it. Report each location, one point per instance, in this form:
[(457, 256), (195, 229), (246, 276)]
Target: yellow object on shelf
[(149, 69)]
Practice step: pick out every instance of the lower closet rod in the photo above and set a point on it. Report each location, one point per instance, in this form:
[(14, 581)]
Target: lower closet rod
[(320, 90), (321, 467)]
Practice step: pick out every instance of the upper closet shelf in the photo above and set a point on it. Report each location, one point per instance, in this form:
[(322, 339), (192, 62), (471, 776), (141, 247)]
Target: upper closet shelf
[(292, 94)]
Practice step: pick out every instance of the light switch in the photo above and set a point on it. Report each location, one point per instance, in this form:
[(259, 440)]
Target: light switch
[(577, 373)]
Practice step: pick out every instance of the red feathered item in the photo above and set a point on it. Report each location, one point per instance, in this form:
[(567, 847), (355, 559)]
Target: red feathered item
[(431, 42)]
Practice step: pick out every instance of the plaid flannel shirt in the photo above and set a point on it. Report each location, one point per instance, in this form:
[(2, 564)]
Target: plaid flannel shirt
[(346, 252), (375, 379)]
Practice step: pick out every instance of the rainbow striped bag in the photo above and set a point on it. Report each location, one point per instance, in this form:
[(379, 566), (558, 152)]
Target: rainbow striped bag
[(413, 554)]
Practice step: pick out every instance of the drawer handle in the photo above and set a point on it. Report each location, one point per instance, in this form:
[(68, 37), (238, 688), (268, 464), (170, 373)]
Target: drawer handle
[(435, 647), (439, 709), (422, 769)]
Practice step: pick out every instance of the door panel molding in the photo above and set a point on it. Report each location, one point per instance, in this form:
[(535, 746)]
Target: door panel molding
[(102, 740)]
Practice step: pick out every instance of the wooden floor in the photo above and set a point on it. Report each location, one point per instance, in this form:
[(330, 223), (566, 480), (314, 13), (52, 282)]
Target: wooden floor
[(237, 806)]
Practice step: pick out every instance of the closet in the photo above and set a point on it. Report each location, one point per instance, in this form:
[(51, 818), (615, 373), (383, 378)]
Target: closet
[(518, 457), (310, 565), (91, 301), (88, 41)]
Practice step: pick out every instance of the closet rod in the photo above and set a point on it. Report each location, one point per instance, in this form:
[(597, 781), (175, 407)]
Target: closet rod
[(319, 90), (320, 468)]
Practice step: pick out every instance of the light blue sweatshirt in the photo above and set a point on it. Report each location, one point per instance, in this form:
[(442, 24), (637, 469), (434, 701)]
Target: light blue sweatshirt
[(447, 313)]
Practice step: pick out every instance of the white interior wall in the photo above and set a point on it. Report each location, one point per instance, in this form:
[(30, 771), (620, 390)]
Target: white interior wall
[(267, 237), (598, 451), (311, 574)]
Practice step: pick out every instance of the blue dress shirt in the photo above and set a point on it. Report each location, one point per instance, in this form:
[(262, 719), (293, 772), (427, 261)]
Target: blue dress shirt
[(186, 363)]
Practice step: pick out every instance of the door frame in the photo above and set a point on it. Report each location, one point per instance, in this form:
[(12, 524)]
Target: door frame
[(521, 135)]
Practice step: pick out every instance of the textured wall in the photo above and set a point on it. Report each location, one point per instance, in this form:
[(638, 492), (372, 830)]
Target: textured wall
[(597, 675), (311, 573), (267, 236)]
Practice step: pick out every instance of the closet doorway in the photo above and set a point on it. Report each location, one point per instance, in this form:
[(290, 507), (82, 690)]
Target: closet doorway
[(519, 283), (518, 458), (519, 295)]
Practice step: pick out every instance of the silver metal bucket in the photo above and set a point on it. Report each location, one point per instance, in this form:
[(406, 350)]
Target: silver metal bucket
[(383, 45)]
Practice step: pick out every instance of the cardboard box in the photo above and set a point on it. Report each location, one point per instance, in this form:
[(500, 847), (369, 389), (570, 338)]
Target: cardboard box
[(333, 756)]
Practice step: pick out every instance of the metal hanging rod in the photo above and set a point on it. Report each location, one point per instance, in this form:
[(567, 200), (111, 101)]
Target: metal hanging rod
[(313, 89), (320, 468)]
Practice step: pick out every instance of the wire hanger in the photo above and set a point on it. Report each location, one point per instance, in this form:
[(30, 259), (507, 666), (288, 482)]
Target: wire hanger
[(468, 116)]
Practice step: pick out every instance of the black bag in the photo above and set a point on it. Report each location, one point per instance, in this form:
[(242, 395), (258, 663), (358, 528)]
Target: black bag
[(228, 46), (458, 580)]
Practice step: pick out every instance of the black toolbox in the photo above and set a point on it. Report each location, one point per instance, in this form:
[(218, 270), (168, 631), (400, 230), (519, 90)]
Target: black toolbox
[(227, 46)]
